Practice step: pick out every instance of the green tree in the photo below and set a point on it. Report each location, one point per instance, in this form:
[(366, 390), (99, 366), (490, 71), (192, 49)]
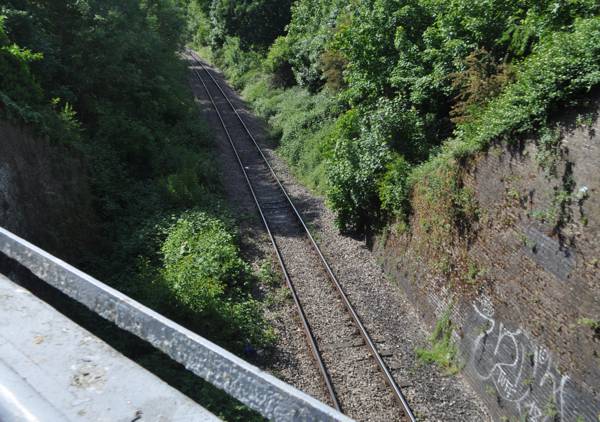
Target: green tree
[(257, 23)]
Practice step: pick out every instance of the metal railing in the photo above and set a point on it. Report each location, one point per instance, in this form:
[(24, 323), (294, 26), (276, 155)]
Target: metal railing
[(257, 389)]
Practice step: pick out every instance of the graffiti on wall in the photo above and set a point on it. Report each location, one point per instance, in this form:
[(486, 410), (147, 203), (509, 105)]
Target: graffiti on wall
[(521, 371)]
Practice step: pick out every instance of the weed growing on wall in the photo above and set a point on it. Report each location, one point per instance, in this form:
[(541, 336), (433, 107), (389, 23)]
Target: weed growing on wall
[(442, 351), (445, 214)]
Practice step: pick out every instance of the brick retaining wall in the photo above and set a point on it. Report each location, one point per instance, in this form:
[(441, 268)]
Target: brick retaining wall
[(525, 325)]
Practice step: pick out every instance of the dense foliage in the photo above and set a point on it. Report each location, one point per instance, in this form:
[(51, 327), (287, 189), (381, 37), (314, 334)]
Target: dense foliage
[(204, 271), (20, 91), (256, 23), (421, 80), (103, 77)]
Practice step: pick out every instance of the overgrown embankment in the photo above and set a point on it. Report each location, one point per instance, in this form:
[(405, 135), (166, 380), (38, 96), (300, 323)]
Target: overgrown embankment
[(369, 98), (100, 83), (517, 288)]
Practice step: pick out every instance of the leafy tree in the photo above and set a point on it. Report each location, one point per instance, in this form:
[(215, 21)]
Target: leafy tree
[(257, 23), (357, 161), (311, 29)]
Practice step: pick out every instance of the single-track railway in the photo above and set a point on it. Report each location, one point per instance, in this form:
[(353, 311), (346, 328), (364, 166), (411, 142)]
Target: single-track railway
[(338, 340)]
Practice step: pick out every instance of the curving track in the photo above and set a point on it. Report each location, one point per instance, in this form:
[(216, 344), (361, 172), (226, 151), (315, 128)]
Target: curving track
[(347, 358)]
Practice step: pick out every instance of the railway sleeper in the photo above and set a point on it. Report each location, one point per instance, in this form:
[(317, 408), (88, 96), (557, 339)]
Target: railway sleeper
[(279, 217), (350, 344), (276, 207), (267, 200)]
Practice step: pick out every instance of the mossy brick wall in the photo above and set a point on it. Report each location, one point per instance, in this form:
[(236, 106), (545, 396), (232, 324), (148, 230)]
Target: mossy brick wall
[(44, 193), (525, 315)]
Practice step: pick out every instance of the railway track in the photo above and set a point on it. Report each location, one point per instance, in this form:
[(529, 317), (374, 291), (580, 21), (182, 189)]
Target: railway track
[(347, 358)]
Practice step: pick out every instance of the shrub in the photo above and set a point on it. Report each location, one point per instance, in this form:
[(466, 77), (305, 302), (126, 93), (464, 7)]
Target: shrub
[(300, 116), (482, 80), (238, 63), (564, 65), (201, 260), (333, 64), (277, 63), (387, 131), (303, 123), (191, 176), (354, 172), (207, 277), (263, 97), (393, 188)]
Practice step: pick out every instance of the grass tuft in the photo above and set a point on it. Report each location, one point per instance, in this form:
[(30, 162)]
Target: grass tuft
[(442, 351)]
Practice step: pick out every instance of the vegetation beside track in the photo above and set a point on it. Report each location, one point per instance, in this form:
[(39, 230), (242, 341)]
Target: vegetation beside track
[(378, 102), (103, 78)]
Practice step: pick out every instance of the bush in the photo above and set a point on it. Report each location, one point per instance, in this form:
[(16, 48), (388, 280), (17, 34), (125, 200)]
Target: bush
[(333, 64), (264, 98), (390, 135), (193, 178), (354, 172), (393, 188), (207, 277), (201, 261), (481, 81), (563, 66), (303, 122), (277, 63), (238, 63)]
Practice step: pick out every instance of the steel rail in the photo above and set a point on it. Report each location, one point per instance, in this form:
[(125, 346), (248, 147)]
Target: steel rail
[(361, 328), (307, 330)]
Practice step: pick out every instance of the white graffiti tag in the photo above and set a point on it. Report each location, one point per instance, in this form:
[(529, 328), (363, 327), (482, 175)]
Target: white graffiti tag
[(521, 371)]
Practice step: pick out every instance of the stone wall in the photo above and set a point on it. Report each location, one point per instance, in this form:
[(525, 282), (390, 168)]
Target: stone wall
[(527, 316), (44, 194)]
